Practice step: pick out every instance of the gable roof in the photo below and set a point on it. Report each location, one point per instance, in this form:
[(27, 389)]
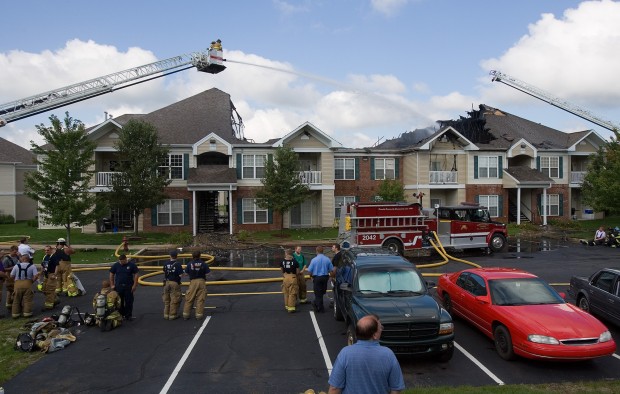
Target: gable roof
[(13, 153), (189, 120)]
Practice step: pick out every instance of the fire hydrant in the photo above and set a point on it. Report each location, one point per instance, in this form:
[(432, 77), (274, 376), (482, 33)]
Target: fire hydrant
[(125, 243)]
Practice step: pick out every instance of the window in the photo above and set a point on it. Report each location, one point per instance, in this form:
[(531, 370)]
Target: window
[(341, 202), (553, 204), (252, 213), (344, 168), (384, 169), (170, 213), (550, 166), (491, 202), (254, 166), (487, 166), (605, 281), (435, 202), (172, 166)]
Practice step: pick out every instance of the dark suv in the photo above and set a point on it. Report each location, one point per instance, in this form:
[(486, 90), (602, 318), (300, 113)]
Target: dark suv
[(385, 284)]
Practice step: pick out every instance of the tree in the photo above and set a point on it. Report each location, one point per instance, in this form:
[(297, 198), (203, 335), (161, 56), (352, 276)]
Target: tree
[(391, 190), (141, 184), (601, 184), (61, 184), (282, 188)]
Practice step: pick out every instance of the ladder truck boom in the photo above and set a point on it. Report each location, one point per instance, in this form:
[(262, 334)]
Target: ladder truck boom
[(210, 61), (549, 98)]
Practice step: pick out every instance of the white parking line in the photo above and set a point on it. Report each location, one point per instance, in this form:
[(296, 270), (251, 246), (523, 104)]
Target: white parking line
[(616, 356), (319, 336), (166, 387), (479, 364)]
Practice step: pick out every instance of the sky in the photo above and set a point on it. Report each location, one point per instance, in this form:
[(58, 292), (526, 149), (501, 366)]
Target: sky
[(361, 71)]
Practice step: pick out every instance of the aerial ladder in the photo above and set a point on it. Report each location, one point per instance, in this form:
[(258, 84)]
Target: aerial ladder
[(210, 61), (549, 98)]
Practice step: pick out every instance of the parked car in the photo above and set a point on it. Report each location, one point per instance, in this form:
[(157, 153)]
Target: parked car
[(599, 294), (385, 284), (523, 315)]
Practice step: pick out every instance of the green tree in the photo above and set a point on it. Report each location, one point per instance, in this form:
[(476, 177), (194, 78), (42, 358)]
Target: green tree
[(282, 187), (141, 184), (601, 184), (391, 190), (65, 169)]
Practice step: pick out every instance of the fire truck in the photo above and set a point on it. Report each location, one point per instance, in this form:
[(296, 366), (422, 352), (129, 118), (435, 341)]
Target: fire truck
[(402, 227)]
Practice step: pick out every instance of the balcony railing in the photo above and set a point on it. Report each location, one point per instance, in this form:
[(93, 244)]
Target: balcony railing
[(105, 178), (310, 177), (442, 177), (577, 176)]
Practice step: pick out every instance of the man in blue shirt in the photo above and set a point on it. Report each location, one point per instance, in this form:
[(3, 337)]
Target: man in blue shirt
[(124, 279), (366, 366), (320, 267)]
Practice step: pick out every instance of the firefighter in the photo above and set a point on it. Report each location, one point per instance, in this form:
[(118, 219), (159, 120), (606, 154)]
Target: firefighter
[(9, 261), (24, 274), (289, 281), (172, 286), (197, 271), (63, 271), (124, 280), (107, 304), (218, 45), (50, 281)]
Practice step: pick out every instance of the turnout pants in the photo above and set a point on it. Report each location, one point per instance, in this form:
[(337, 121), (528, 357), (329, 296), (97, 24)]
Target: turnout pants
[(303, 289), (172, 299), (197, 293), (289, 288), (320, 288), (22, 303), (49, 291), (10, 290), (63, 271)]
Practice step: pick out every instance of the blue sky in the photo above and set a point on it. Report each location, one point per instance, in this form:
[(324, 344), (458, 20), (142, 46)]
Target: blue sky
[(368, 70)]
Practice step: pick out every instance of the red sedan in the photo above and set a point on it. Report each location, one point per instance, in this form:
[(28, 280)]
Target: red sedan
[(523, 315)]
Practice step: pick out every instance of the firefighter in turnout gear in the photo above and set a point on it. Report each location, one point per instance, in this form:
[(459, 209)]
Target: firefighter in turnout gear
[(197, 271), (289, 282), (50, 281), (107, 304), (172, 286), (24, 275), (63, 272), (9, 261)]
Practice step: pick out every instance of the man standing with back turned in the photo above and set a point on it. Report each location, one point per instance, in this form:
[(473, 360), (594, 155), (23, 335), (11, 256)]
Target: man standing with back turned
[(366, 366), (320, 268)]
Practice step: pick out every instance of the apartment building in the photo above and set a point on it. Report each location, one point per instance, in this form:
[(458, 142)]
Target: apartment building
[(15, 163), (518, 168)]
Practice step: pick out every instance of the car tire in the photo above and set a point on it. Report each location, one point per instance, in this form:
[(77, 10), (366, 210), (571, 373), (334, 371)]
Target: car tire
[(337, 312), (447, 303), (446, 356), (503, 343), (394, 245), (583, 304), (497, 243), (351, 337)]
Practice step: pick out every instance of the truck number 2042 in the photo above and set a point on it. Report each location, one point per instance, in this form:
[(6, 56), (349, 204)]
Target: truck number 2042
[(372, 237)]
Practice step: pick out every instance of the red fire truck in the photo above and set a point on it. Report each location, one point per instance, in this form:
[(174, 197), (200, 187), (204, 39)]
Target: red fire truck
[(406, 226)]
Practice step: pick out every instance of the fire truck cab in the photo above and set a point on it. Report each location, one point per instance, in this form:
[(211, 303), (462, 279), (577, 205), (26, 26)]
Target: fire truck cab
[(405, 226)]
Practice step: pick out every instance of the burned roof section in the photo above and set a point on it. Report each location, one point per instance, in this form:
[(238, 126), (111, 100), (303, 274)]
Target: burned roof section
[(474, 127)]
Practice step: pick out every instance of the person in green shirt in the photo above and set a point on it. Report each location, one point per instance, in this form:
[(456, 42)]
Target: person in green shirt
[(301, 275)]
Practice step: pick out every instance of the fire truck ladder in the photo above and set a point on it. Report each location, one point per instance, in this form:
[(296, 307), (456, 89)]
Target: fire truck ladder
[(386, 222), (209, 61), (549, 98)]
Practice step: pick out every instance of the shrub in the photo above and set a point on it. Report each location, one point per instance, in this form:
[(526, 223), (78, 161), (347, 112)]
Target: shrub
[(33, 222), (182, 239), (243, 235), (564, 223), (7, 219)]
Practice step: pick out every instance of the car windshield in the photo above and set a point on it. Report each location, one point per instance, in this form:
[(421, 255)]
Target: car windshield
[(395, 282), (523, 291)]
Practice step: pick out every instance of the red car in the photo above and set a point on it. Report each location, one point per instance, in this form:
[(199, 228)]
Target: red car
[(523, 315)]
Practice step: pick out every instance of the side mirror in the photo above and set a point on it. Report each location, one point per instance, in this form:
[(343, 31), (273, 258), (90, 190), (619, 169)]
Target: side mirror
[(482, 299), (562, 294), (430, 284)]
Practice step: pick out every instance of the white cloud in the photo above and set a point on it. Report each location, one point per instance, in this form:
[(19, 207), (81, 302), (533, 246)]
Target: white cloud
[(388, 7)]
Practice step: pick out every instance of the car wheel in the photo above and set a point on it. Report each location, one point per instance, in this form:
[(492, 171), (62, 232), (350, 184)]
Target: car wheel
[(503, 343), (497, 243), (337, 312), (583, 304), (447, 303), (351, 337), (394, 245), (446, 356)]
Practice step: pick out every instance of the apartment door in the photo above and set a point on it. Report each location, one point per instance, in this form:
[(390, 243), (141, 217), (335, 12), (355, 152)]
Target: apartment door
[(301, 215)]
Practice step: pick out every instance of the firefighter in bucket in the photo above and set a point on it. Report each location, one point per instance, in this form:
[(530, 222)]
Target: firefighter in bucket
[(107, 304)]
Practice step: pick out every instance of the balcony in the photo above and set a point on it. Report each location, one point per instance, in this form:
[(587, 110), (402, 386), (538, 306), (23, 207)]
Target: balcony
[(105, 178), (443, 177), (577, 176), (310, 177)]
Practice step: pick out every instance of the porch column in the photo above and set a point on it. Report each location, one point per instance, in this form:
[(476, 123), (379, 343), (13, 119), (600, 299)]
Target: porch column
[(230, 213), (194, 225), (544, 202), (518, 205)]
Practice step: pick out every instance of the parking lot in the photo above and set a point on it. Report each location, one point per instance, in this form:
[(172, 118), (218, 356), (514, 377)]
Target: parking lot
[(249, 344)]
